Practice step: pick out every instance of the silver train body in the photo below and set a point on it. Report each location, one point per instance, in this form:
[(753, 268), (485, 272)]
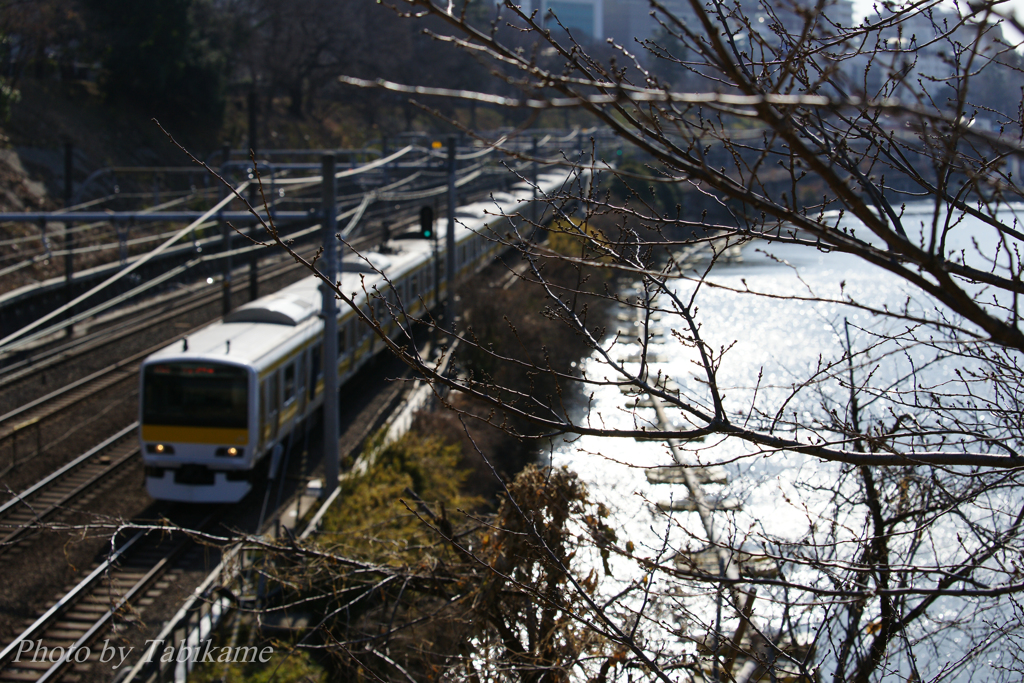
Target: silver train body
[(214, 406)]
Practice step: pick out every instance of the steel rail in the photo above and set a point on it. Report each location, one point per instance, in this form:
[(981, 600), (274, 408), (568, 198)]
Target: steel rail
[(108, 568), (105, 471), (65, 602), (53, 476), (100, 624)]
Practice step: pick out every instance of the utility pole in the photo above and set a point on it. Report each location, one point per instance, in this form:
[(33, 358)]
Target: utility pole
[(225, 238), (329, 311), (69, 237), (254, 283), (533, 179), (385, 224), (450, 307)]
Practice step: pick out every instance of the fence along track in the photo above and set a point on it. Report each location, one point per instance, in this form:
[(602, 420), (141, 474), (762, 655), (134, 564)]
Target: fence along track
[(51, 496), (117, 588)]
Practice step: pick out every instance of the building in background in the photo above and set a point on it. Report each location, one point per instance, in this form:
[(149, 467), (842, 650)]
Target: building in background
[(576, 15), (584, 18), (627, 21)]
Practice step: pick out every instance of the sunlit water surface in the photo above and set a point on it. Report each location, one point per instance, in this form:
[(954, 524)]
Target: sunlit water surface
[(782, 341)]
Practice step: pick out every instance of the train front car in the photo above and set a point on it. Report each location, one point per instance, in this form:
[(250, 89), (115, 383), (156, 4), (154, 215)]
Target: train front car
[(197, 438)]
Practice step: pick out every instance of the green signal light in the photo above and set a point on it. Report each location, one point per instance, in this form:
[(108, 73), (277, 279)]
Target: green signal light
[(427, 222)]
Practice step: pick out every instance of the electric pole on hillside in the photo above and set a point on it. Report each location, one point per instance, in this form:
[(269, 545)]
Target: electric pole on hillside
[(329, 311), (69, 236), (225, 237), (254, 283), (450, 308)]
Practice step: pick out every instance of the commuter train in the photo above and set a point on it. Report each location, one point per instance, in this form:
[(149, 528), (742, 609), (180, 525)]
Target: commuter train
[(216, 404)]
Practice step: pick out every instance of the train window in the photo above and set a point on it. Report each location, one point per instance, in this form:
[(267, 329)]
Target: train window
[(414, 289), (289, 383), (195, 395), (342, 340)]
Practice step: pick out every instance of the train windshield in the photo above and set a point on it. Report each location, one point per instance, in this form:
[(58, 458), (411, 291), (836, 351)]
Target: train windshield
[(195, 395)]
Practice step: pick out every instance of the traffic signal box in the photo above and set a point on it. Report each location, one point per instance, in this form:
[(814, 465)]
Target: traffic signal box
[(427, 222)]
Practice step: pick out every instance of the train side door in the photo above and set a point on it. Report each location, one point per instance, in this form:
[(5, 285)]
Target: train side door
[(316, 372), (302, 379), (272, 405), (289, 386)]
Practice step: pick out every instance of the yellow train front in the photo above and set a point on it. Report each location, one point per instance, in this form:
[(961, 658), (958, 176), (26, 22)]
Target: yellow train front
[(196, 430), (214, 405)]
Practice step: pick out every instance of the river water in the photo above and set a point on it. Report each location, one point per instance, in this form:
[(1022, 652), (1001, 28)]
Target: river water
[(771, 344)]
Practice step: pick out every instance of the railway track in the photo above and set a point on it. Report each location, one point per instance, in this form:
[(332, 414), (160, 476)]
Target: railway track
[(100, 466), (25, 433), (61, 643)]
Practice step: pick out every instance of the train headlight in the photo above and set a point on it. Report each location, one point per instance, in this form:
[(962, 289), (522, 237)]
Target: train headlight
[(230, 451), (160, 448)]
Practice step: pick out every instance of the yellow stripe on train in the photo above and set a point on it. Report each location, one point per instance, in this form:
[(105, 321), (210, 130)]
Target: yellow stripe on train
[(214, 435)]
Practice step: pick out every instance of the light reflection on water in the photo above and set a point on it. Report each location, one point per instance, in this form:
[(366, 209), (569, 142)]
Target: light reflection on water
[(783, 494)]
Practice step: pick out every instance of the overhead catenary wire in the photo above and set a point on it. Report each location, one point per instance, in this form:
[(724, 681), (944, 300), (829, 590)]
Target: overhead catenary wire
[(131, 268), (343, 200), (157, 281), (39, 327)]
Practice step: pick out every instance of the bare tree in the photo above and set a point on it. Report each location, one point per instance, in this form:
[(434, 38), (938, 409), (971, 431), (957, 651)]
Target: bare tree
[(894, 444)]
